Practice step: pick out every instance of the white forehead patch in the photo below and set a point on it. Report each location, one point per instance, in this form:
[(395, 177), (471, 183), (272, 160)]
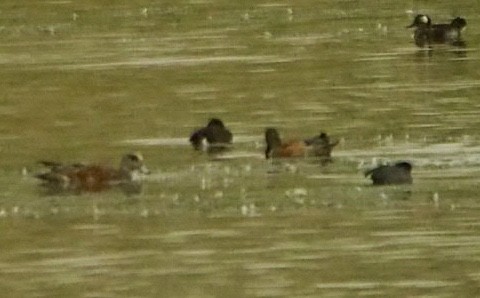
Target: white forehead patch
[(424, 19)]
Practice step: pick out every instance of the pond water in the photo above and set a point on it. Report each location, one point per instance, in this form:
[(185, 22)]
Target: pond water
[(90, 80)]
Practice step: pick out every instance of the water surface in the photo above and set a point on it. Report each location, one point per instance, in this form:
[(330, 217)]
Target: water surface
[(90, 81)]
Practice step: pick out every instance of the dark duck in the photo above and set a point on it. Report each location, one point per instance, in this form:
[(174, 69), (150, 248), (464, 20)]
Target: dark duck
[(398, 173), (215, 134), (427, 33)]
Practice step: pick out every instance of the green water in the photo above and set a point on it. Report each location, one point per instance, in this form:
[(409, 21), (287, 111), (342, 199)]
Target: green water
[(89, 81)]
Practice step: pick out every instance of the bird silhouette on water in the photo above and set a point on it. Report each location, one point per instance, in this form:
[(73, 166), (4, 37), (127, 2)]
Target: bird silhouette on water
[(399, 173)]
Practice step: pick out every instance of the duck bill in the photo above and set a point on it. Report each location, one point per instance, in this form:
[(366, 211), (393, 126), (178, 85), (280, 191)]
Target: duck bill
[(144, 170), (411, 25)]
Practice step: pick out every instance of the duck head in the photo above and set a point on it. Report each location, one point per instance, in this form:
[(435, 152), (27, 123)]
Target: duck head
[(459, 23), (421, 20), (133, 163), (215, 122)]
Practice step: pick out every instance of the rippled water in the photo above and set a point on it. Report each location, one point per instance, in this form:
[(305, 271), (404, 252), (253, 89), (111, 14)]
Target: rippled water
[(90, 81)]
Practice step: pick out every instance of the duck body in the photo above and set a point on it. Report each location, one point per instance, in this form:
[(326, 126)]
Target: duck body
[(91, 177), (292, 148), (215, 134), (427, 33), (399, 173), (318, 146)]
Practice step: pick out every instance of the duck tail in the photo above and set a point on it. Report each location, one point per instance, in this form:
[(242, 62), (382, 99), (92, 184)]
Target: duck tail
[(268, 152), (272, 138)]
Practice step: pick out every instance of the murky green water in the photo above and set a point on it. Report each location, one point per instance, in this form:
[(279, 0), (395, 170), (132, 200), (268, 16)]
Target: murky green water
[(89, 81)]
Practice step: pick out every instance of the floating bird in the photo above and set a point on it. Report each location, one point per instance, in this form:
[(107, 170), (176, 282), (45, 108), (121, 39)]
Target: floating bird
[(319, 146), (217, 136), (427, 33), (399, 173), (92, 177)]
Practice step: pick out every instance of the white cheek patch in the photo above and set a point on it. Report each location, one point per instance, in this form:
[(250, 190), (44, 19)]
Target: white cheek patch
[(424, 19), (135, 176)]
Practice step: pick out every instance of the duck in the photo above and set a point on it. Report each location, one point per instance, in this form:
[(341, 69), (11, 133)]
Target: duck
[(398, 173), (216, 135), (82, 177), (427, 33), (318, 146)]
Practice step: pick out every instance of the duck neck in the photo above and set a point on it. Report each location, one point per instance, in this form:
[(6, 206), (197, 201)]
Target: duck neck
[(125, 174)]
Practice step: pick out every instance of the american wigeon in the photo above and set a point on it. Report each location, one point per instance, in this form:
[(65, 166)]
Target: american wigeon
[(319, 146), (92, 177), (399, 173), (427, 33), (217, 136)]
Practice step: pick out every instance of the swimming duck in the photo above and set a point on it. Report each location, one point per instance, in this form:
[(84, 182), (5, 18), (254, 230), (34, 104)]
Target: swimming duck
[(427, 33), (92, 177), (319, 146), (215, 134), (399, 173)]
